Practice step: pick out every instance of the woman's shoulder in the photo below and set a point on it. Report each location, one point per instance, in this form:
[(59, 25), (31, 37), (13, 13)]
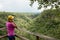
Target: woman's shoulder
[(8, 22)]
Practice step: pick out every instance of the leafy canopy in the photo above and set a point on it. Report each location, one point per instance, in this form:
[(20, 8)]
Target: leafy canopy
[(46, 3)]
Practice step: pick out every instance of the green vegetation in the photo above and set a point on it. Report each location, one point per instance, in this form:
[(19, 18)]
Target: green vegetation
[(47, 23), (46, 3), (22, 20)]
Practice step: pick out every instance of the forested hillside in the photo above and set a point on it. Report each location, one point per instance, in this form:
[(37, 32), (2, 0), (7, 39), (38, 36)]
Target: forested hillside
[(22, 20), (48, 23)]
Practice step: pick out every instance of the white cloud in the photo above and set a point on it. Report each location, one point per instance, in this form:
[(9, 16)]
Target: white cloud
[(1, 6), (18, 6)]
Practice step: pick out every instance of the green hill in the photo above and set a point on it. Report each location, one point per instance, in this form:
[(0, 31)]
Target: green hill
[(22, 20), (47, 23)]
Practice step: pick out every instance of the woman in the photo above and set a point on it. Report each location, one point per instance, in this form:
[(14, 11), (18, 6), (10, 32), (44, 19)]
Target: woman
[(10, 25)]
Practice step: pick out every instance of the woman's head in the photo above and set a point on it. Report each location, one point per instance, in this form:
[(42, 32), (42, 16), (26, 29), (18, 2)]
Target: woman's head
[(10, 18)]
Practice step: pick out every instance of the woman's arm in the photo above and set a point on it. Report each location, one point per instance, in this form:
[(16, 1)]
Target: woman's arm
[(14, 25)]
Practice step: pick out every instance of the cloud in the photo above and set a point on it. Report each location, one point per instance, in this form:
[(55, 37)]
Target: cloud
[(1, 6), (18, 6)]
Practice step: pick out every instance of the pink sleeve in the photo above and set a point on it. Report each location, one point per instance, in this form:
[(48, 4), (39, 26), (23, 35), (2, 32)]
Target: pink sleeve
[(13, 24)]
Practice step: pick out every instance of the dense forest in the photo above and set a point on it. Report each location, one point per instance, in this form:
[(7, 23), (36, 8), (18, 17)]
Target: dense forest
[(22, 20), (47, 23)]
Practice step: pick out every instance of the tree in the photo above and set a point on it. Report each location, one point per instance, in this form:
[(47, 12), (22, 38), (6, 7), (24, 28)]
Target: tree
[(46, 3)]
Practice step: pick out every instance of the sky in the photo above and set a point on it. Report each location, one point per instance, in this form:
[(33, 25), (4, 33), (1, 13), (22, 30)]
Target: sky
[(18, 6)]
